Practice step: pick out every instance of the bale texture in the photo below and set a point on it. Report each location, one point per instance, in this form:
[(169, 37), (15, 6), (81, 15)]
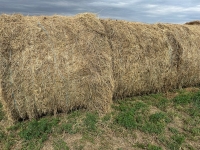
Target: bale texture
[(54, 64), (152, 58), (57, 64)]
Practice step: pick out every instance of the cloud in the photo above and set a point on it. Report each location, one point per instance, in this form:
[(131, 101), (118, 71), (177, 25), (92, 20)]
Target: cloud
[(167, 9), (133, 10), (114, 3)]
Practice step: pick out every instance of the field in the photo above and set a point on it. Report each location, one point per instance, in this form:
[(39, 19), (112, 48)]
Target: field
[(161, 121)]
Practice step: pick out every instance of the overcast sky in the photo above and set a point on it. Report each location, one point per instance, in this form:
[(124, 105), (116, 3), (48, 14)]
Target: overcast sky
[(148, 11)]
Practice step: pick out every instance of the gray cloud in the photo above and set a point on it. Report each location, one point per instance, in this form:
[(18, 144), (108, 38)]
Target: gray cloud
[(135, 10)]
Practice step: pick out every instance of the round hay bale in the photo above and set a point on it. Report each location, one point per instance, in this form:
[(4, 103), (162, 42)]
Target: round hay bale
[(54, 64), (150, 58)]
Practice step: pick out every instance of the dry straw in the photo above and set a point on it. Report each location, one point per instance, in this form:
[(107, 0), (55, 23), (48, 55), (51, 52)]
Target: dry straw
[(57, 64), (153, 57), (54, 64)]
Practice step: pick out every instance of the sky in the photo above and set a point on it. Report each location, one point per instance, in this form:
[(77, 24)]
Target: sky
[(147, 11)]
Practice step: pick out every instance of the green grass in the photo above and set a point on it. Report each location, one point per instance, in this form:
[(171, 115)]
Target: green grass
[(38, 129), (176, 142), (153, 147), (149, 122), (60, 145), (130, 115), (127, 119), (152, 128), (183, 99), (1, 112), (159, 117), (90, 121)]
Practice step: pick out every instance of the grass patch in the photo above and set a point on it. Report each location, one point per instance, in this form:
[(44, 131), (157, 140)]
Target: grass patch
[(159, 117), (195, 131), (106, 118), (90, 121), (2, 135), (176, 142), (1, 112), (156, 123), (174, 124), (153, 147), (38, 129), (156, 128), (182, 99), (130, 114), (67, 128), (127, 119), (162, 103), (196, 99), (178, 139), (60, 145), (173, 130)]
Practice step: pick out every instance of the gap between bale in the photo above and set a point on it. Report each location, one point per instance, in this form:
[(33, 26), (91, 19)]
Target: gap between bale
[(56, 63)]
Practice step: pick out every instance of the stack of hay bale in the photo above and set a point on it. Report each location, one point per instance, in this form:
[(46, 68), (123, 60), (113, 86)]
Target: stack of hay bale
[(57, 64)]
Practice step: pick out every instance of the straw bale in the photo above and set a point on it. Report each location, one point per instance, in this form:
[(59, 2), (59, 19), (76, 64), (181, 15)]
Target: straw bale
[(150, 58), (54, 64)]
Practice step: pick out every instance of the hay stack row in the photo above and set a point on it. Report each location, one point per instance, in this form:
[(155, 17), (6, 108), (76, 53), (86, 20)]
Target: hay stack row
[(57, 64)]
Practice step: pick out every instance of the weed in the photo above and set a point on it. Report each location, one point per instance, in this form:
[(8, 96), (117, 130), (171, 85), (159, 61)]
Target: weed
[(8, 141), (156, 128), (134, 106), (88, 137), (67, 127), (130, 115), (139, 145), (157, 96), (163, 103), (139, 106), (78, 147), (190, 147), (156, 123), (177, 141), (195, 131), (153, 147), (193, 112), (182, 99), (140, 119), (90, 121), (126, 119), (2, 135), (38, 129), (106, 118), (173, 130), (196, 99), (1, 112), (15, 127), (60, 145), (33, 145), (74, 114), (159, 117)]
